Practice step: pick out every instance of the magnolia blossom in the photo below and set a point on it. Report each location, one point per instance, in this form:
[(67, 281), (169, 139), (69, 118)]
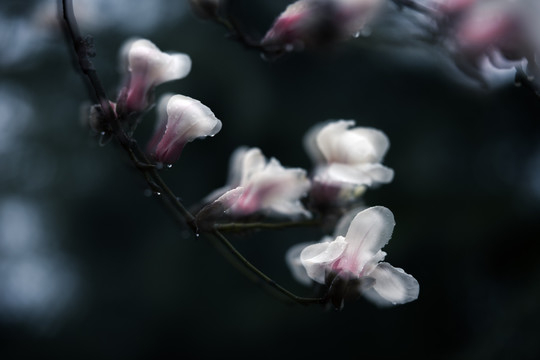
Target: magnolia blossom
[(148, 67), (490, 38), (347, 159), (181, 119), (353, 258), (318, 22), (256, 185)]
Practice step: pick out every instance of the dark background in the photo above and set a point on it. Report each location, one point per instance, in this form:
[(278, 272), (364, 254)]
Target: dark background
[(91, 267)]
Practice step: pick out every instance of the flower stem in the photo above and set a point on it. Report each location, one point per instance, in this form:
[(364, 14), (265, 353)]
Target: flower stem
[(238, 227)]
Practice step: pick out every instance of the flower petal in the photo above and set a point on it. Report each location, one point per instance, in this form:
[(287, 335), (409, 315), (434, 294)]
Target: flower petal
[(187, 120), (292, 258), (250, 162), (392, 286), (316, 257), (361, 174), (369, 231), (329, 137)]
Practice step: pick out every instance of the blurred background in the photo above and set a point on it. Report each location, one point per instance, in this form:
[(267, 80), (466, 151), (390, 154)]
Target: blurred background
[(92, 267)]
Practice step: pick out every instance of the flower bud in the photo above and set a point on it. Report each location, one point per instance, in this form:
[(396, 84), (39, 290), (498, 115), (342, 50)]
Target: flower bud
[(148, 67), (181, 119), (314, 23)]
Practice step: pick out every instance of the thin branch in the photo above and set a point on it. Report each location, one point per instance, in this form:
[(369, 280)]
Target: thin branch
[(260, 275), (238, 227), (145, 166), (84, 50)]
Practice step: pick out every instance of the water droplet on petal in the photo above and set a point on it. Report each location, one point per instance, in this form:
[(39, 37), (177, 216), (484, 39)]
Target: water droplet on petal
[(157, 193), (169, 166)]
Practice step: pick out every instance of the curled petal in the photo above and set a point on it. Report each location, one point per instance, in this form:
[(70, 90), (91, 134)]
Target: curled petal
[(292, 259), (345, 221), (369, 231), (316, 258), (340, 144), (143, 57), (148, 67), (392, 286), (187, 119), (245, 162)]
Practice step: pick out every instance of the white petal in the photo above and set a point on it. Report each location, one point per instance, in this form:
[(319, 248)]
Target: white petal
[(369, 231), (292, 258), (392, 286), (177, 66), (345, 222), (279, 189), (378, 141), (311, 146), (161, 109), (329, 137), (243, 163), (143, 56), (251, 162), (190, 118), (361, 174), (317, 257)]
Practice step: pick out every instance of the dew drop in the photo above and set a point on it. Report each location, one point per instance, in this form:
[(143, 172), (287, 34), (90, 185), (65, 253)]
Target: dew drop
[(356, 34), (169, 166), (157, 193)]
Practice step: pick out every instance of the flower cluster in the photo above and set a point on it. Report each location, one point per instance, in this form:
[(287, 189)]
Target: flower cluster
[(180, 119), (347, 160), (489, 41)]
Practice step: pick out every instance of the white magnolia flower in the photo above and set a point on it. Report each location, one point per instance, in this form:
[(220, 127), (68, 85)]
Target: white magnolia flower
[(257, 185), (348, 157), (181, 119), (356, 258), (148, 67)]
